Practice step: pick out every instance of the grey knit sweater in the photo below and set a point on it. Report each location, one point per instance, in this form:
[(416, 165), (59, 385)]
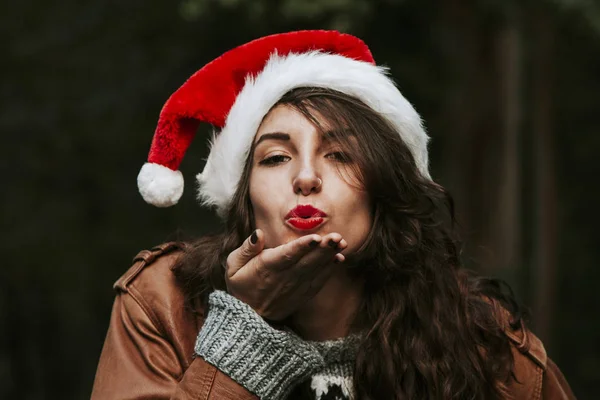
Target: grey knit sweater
[(271, 363)]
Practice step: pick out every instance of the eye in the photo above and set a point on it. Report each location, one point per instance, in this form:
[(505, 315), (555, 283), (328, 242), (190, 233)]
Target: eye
[(274, 160), (339, 156)]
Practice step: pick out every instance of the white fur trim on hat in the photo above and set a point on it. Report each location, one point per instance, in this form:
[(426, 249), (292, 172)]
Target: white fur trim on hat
[(159, 185), (365, 81)]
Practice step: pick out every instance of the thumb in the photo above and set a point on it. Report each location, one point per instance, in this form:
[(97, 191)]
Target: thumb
[(251, 247)]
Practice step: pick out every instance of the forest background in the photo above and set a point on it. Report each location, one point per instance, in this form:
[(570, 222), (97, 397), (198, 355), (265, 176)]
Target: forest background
[(509, 91)]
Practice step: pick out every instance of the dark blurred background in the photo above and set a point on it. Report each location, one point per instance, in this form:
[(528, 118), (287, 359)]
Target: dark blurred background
[(509, 90)]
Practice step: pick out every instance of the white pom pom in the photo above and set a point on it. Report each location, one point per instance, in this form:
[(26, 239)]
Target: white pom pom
[(159, 185)]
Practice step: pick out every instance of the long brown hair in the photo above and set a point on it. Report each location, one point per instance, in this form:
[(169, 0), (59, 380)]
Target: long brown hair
[(432, 329)]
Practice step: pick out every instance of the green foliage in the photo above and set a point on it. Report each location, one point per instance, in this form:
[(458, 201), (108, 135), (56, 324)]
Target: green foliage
[(587, 10), (341, 14)]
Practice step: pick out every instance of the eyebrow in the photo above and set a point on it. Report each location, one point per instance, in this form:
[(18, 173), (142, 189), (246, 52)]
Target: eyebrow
[(273, 136), (331, 135), (327, 136)]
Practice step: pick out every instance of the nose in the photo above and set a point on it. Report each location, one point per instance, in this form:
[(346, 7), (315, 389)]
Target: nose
[(307, 182)]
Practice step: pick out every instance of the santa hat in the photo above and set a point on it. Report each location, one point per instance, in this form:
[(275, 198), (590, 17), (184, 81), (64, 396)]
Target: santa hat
[(235, 91)]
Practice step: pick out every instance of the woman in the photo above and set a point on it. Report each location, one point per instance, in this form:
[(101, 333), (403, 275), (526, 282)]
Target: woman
[(338, 273)]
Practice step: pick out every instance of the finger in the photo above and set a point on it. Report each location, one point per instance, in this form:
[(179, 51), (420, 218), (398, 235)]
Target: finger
[(339, 258), (289, 253), (315, 264), (320, 259), (331, 244), (334, 241), (251, 247)]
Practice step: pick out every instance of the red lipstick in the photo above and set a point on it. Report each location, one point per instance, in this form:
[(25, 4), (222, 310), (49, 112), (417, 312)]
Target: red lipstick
[(305, 217)]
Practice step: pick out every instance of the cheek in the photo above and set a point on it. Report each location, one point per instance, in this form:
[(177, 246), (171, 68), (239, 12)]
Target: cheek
[(355, 202), (360, 210), (257, 201), (267, 204), (354, 213), (263, 196)]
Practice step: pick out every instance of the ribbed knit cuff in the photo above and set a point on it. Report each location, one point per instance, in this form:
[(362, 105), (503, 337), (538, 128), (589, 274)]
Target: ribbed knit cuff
[(266, 361)]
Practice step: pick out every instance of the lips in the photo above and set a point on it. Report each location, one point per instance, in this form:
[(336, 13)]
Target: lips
[(305, 217)]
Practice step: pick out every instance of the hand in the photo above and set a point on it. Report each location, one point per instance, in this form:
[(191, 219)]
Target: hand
[(276, 282)]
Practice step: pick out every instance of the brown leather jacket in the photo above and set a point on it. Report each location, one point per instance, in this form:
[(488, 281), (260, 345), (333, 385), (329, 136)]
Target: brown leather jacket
[(149, 347)]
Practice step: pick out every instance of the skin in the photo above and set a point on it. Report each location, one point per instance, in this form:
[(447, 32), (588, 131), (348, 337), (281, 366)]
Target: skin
[(292, 178), (302, 168)]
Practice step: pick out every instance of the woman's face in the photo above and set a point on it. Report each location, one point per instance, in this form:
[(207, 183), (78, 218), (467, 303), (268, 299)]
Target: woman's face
[(295, 164)]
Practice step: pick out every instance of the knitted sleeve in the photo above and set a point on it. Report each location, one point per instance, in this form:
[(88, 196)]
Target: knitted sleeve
[(267, 362)]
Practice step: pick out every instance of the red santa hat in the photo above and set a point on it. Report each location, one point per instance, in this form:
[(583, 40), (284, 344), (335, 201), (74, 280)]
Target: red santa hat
[(235, 91)]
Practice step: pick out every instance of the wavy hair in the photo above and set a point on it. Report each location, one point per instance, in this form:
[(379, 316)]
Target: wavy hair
[(432, 330)]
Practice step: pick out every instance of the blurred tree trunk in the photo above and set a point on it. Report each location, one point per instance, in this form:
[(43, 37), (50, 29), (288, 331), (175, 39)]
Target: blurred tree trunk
[(545, 254), (472, 115), (482, 160), (505, 222)]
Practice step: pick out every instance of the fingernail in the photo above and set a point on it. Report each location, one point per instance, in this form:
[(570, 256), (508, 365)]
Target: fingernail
[(337, 260), (313, 244), (254, 238), (332, 243)]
